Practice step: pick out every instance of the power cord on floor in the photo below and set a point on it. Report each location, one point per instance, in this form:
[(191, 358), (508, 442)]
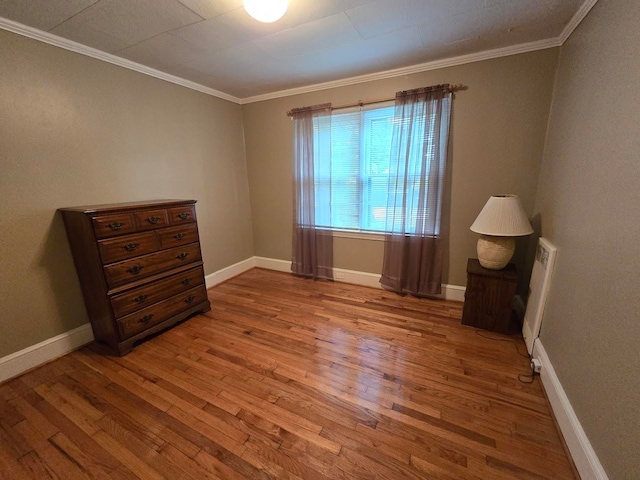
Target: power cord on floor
[(498, 339), (526, 375), (531, 375)]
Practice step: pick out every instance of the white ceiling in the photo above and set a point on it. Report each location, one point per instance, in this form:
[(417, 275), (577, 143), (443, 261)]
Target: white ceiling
[(215, 43)]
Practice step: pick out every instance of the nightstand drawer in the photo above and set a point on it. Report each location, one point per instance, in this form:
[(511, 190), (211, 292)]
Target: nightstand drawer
[(130, 270), (142, 297)]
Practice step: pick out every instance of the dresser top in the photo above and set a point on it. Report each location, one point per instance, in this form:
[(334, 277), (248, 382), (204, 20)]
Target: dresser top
[(127, 206)]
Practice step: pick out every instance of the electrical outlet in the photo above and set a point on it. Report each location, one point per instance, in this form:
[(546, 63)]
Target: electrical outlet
[(339, 276), (536, 365)]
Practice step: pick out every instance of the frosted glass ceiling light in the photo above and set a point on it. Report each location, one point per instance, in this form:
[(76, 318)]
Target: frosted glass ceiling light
[(266, 11)]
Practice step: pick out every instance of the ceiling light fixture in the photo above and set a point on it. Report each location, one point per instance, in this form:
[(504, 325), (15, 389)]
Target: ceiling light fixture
[(266, 11)]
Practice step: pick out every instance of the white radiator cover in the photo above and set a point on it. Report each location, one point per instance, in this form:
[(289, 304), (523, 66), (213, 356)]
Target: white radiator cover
[(538, 291)]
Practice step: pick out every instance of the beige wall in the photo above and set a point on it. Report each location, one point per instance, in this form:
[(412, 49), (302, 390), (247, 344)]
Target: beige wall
[(497, 139), (75, 131), (589, 204)]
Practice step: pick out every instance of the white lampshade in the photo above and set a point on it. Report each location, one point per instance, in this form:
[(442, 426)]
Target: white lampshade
[(503, 216), (501, 219), (266, 11)]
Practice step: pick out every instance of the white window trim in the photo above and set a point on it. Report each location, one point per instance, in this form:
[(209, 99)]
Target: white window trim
[(373, 236)]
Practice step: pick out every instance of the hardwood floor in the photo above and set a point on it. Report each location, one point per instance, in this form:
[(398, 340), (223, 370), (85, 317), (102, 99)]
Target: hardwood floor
[(289, 378)]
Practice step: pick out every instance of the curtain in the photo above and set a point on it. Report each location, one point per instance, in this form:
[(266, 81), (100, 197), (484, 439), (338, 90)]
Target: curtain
[(312, 248), (413, 251)]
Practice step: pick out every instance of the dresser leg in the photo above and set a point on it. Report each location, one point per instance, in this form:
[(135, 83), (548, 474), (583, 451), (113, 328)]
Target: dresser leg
[(124, 348)]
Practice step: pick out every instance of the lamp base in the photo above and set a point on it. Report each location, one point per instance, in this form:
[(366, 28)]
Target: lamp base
[(495, 252)]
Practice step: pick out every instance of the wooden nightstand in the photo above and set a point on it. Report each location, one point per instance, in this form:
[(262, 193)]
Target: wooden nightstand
[(488, 298)]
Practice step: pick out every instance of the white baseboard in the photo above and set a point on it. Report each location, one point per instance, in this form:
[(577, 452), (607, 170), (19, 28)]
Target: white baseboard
[(449, 292), (19, 362), (584, 457), (453, 292), (229, 272), (273, 264), (30, 357), (339, 274)]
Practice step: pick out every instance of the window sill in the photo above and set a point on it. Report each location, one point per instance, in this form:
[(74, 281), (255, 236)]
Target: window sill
[(376, 237)]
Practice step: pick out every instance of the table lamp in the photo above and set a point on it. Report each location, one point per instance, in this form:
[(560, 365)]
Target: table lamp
[(500, 221)]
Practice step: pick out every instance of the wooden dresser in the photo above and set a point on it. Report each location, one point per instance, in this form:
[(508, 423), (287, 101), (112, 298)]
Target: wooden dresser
[(139, 265)]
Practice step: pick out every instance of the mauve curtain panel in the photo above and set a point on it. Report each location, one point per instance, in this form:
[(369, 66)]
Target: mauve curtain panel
[(312, 248), (413, 252)]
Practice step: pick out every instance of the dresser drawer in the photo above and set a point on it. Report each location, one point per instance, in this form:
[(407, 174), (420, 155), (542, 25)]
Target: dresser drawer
[(121, 248), (149, 294), (130, 270), (184, 214), (149, 219), (180, 235), (111, 225), (147, 317)]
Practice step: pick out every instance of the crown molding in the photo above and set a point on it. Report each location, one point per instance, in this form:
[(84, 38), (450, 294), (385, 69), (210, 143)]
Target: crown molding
[(576, 20), (423, 67), (57, 41)]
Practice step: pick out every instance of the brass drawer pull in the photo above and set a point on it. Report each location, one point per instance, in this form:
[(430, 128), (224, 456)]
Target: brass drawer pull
[(179, 236), (130, 247), (152, 220), (189, 299), (136, 269), (184, 215), (115, 225), (182, 256), (140, 298), (146, 318), (186, 281)]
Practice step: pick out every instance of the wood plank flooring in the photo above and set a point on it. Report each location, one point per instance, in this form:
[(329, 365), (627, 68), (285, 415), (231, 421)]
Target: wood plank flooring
[(293, 379)]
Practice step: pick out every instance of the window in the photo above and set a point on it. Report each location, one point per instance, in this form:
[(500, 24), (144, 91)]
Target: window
[(356, 182), (379, 170)]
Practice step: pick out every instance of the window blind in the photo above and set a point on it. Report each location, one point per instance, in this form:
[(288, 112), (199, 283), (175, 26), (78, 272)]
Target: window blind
[(356, 183)]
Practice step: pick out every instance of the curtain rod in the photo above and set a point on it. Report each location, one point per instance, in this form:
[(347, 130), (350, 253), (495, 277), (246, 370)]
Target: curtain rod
[(361, 103)]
